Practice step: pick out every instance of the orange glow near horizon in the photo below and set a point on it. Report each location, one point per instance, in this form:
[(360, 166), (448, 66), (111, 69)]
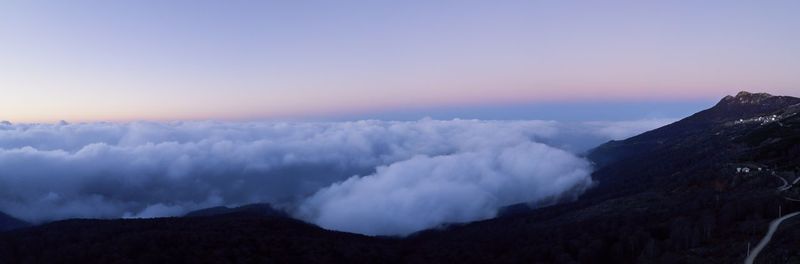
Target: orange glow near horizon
[(112, 112), (124, 61)]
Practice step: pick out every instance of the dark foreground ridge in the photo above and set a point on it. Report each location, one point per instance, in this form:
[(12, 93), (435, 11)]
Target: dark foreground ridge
[(695, 191)]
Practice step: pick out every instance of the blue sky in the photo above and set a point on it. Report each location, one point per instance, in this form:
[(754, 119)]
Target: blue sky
[(173, 60)]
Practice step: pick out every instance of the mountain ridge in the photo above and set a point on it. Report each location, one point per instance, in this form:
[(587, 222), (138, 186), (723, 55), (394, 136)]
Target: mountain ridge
[(8, 222), (257, 209), (728, 109)]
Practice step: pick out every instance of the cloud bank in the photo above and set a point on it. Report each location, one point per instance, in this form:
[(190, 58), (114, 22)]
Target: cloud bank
[(424, 191), (372, 177)]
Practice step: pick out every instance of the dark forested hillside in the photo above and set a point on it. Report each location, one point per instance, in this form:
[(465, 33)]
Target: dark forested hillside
[(228, 238), (701, 190)]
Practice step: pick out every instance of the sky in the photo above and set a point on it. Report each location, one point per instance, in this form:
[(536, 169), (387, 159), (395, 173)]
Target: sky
[(253, 60)]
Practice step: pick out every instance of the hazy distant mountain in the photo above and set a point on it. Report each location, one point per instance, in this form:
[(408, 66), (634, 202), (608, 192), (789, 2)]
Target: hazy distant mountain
[(695, 191), (261, 209), (8, 222)]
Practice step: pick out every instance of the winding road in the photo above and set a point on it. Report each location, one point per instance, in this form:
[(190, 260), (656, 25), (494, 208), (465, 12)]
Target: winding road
[(785, 185), (773, 226)]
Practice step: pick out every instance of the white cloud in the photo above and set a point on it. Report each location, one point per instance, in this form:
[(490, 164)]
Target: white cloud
[(424, 191), (463, 170)]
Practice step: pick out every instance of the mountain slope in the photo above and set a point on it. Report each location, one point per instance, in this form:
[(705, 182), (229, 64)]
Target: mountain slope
[(699, 143), (8, 222)]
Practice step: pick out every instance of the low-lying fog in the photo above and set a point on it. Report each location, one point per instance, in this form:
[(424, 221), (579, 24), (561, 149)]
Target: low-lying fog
[(369, 177)]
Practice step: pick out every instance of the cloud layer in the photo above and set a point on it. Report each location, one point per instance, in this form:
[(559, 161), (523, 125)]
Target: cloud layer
[(424, 191), (372, 177)]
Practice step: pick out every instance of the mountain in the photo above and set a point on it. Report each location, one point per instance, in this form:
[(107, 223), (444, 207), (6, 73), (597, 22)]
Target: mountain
[(705, 141), (226, 238), (701, 190), (8, 222), (259, 209)]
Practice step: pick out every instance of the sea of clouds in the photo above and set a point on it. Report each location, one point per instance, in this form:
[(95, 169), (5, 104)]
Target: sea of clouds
[(370, 177)]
